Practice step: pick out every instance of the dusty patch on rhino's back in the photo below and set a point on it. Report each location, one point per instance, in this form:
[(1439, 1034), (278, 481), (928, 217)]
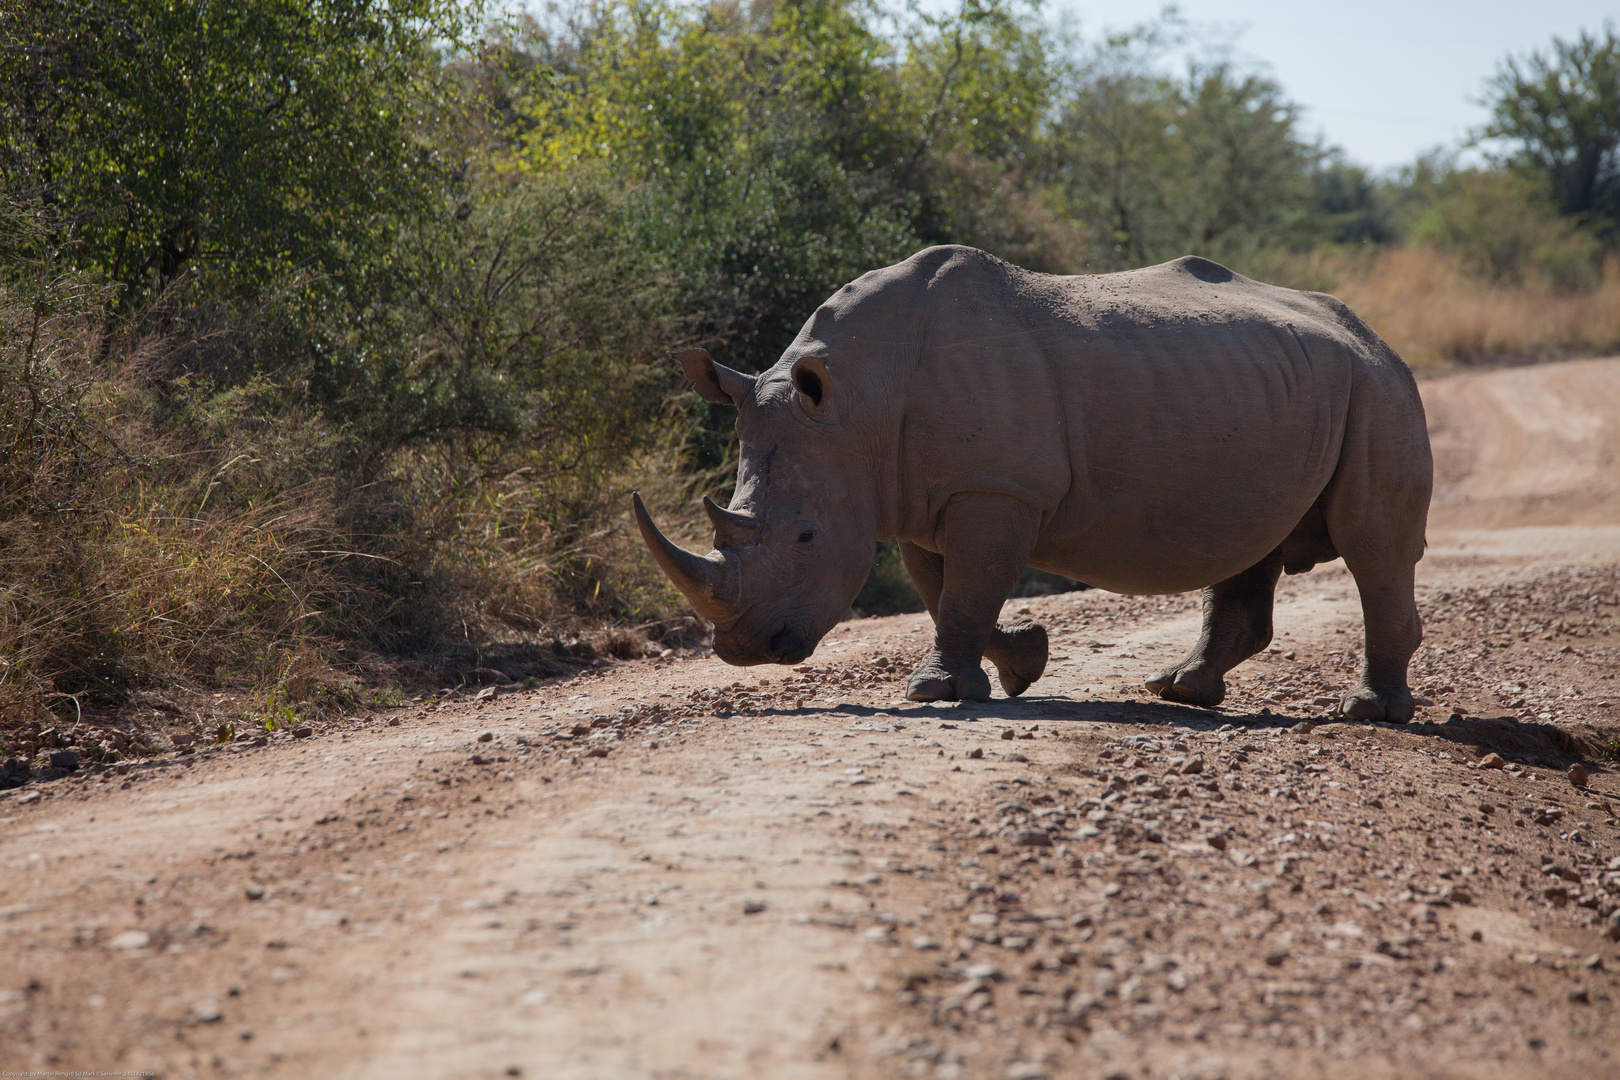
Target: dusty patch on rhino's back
[(1191, 292)]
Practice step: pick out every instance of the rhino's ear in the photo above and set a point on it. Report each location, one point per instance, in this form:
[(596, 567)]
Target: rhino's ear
[(815, 386), (714, 382)]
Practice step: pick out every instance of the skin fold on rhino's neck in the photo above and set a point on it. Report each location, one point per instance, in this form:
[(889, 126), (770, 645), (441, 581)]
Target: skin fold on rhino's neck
[(900, 486), (869, 348), (875, 473), (888, 483)]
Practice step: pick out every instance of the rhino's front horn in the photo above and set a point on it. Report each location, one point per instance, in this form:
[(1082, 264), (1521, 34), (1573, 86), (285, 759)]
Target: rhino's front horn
[(701, 579), (731, 528)]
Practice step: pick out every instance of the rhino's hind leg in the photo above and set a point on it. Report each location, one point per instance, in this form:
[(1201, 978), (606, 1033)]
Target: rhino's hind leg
[(1019, 650), (1237, 624), (1376, 511), (1394, 631)]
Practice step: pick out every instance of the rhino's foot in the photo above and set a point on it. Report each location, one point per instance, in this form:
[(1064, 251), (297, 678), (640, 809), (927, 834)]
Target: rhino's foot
[(932, 682), (1019, 652), (1189, 683), (1369, 705)]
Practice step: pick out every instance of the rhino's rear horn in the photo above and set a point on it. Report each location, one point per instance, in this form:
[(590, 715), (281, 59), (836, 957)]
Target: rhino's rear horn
[(731, 528), (703, 580)]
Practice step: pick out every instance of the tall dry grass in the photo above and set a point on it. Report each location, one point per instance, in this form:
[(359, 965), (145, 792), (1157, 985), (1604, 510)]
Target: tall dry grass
[(151, 532), (163, 532), (519, 553), (1440, 313)]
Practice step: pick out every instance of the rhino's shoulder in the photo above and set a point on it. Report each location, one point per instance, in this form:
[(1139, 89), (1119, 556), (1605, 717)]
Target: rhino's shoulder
[(945, 264), (929, 276)]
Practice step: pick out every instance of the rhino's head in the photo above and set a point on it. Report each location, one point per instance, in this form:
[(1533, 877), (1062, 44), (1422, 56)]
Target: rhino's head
[(796, 544)]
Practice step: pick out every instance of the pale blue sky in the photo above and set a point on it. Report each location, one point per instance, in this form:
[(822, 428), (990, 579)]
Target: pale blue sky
[(1384, 79)]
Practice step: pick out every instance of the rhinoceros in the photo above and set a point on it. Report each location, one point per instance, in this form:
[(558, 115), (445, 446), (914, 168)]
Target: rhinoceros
[(1153, 431)]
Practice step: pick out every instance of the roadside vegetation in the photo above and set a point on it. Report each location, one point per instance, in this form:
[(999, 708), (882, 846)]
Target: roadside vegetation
[(332, 335)]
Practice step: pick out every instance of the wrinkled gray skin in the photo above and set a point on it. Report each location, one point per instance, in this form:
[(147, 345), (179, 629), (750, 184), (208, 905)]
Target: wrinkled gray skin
[(1153, 431)]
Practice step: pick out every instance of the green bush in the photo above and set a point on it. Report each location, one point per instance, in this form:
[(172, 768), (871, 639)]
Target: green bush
[(1503, 224)]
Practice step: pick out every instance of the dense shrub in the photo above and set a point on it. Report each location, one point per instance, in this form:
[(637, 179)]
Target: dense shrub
[(1502, 223), (242, 138), (153, 527)]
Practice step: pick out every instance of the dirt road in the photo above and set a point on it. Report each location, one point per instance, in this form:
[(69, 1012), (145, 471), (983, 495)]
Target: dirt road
[(675, 869)]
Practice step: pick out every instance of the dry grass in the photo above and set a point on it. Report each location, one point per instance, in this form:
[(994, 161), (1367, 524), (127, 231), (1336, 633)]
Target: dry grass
[(145, 543), (161, 536), (1439, 314), (527, 552)]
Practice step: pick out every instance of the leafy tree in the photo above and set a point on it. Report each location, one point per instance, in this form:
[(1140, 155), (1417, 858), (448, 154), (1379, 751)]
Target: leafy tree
[(759, 135), (1562, 110), (1348, 205), (977, 81), (1246, 163), (977, 88), (245, 138), (1158, 167), (1110, 156)]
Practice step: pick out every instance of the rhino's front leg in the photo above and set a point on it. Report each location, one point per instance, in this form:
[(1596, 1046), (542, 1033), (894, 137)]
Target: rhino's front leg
[(985, 541), (1018, 648)]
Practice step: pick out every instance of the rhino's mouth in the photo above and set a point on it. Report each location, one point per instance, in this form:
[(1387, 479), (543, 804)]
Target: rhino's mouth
[(779, 644), (790, 645)]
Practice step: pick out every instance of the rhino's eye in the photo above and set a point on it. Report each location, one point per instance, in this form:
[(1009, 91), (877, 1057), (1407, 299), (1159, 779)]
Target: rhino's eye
[(807, 536)]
